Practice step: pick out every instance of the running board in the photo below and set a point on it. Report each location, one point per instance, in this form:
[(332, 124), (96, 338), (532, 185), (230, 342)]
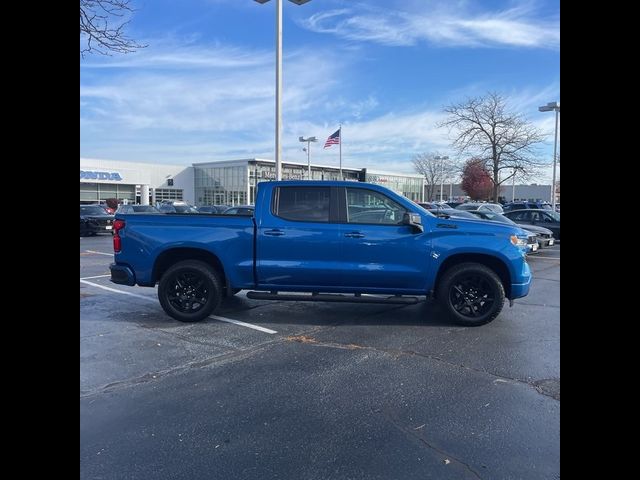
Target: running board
[(326, 297)]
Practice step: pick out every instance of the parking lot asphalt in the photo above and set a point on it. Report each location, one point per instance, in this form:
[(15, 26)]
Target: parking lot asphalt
[(318, 390)]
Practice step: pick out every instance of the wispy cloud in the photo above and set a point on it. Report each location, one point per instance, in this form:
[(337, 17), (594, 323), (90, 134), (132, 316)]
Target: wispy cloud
[(208, 88), (184, 53), (440, 25)]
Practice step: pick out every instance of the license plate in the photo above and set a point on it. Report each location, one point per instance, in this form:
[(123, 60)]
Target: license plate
[(550, 242), (109, 227)]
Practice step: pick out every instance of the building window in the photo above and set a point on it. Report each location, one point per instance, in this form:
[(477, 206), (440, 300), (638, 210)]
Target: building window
[(95, 192), (221, 185), (168, 194)]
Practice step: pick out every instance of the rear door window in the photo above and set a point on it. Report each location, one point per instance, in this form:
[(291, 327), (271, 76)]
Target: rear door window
[(303, 204)]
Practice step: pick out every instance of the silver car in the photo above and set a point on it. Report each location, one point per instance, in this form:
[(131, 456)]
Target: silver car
[(492, 207)]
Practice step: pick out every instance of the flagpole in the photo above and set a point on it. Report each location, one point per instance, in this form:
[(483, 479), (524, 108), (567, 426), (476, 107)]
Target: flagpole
[(340, 143)]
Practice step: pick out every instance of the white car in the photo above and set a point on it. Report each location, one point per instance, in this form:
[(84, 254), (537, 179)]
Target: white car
[(493, 207)]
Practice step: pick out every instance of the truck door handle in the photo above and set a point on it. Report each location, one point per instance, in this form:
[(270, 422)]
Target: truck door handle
[(274, 233), (354, 235)]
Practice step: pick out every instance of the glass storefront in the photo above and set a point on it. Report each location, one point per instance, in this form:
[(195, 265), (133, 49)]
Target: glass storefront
[(236, 184), (168, 194), (97, 192), (410, 187), (221, 185), (262, 172)]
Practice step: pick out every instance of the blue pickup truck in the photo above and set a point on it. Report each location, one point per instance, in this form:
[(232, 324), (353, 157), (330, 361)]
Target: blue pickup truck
[(327, 241)]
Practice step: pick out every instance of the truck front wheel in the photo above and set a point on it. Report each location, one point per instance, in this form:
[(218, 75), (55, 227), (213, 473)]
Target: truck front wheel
[(471, 293), (190, 291)]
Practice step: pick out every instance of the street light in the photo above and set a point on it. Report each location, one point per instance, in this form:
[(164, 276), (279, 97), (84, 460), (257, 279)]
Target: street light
[(547, 108), (308, 140), (442, 173), (279, 79)]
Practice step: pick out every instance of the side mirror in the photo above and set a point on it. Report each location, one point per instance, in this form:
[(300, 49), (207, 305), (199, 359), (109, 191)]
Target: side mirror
[(414, 221)]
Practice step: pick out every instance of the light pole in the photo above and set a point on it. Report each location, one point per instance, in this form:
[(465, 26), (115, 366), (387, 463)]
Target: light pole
[(442, 159), (547, 108), (308, 140), (279, 79)]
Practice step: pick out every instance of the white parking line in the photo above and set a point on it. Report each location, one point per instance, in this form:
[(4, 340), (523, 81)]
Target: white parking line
[(109, 289), (99, 253), (215, 317), (243, 324), (96, 276)]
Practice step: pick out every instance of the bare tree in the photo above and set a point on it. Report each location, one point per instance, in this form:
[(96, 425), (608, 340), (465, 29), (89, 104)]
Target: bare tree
[(503, 140), (102, 25), (435, 171)]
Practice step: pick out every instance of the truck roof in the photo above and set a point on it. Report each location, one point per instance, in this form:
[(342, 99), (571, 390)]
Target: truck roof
[(315, 183)]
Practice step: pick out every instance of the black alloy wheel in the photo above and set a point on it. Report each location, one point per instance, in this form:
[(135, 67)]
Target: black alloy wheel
[(190, 291), (471, 293)]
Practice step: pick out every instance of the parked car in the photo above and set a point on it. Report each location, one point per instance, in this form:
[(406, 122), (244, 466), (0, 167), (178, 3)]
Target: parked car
[(94, 219), (454, 204), (108, 209), (493, 207), (451, 212), (544, 236), (430, 205), (129, 209), (240, 210), (303, 238), (177, 207), (526, 205), (212, 208), (544, 218)]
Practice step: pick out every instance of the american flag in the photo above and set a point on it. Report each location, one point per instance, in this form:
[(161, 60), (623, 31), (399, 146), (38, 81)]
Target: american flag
[(334, 139)]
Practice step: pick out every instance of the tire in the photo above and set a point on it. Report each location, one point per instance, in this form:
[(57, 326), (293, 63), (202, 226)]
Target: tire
[(483, 290), (190, 291)]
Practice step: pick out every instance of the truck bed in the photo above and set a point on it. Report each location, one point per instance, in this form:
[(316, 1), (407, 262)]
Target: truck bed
[(229, 237)]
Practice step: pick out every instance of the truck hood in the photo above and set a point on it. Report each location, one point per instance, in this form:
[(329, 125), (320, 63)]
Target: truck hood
[(479, 226)]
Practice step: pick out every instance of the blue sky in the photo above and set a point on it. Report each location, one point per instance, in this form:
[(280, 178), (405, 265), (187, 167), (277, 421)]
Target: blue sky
[(203, 89)]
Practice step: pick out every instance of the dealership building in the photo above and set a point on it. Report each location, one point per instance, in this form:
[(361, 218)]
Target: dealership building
[(508, 193), (216, 183), (134, 182)]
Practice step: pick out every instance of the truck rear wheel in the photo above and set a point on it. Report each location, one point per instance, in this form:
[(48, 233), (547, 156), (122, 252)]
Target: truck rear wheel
[(471, 293), (190, 291)]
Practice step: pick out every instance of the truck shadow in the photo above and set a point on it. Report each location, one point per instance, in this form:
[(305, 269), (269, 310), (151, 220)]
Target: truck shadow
[(273, 312)]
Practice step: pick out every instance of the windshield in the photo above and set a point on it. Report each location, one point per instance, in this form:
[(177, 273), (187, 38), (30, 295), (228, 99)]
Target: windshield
[(92, 210), (554, 215)]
